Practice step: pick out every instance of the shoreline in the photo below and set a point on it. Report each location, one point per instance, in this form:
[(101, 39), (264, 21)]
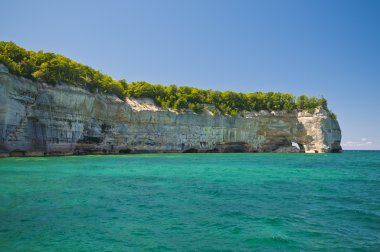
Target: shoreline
[(100, 153)]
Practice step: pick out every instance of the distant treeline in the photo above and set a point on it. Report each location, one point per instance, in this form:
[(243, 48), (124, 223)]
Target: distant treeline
[(54, 69)]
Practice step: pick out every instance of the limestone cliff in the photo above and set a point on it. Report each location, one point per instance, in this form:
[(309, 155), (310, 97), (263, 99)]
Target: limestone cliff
[(37, 119)]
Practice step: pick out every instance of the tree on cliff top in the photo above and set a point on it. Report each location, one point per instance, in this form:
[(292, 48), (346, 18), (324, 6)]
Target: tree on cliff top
[(55, 69)]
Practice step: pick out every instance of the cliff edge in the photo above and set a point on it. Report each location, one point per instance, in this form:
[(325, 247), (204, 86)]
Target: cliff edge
[(37, 119)]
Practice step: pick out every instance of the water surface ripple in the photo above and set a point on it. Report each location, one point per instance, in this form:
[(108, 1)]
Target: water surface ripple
[(191, 202)]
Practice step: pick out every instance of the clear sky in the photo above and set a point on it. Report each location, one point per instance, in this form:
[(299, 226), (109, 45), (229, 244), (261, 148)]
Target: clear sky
[(329, 48)]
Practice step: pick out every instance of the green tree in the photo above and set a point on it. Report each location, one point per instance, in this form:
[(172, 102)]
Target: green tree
[(56, 69)]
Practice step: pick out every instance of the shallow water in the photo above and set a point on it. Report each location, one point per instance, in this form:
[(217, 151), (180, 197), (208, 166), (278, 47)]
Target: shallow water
[(191, 202)]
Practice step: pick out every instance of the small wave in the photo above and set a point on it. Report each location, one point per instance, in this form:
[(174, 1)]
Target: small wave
[(272, 241)]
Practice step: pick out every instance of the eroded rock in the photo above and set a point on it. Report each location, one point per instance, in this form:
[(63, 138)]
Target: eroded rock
[(37, 119)]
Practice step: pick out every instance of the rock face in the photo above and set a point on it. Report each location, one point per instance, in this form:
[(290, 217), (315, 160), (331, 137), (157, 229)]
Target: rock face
[(37, 119)]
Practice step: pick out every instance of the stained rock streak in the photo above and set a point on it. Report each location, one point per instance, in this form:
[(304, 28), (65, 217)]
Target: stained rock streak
[(37, 119)]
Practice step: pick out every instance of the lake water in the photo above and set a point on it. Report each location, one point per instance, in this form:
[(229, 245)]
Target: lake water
[(191, 202)]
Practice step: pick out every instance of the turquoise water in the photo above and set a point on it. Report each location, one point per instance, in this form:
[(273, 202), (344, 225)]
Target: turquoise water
[(191, 202)]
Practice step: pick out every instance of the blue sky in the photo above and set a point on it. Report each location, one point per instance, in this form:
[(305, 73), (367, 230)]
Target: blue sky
[(329, 48)]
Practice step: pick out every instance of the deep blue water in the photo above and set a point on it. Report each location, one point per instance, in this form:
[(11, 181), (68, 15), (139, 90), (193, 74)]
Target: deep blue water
[(191, 202)]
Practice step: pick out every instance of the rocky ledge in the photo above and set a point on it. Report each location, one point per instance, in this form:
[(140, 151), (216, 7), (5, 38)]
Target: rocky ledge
[(37, 119)]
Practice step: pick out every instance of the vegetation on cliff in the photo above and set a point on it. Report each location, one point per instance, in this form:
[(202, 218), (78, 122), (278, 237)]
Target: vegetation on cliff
[(54, 69)]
